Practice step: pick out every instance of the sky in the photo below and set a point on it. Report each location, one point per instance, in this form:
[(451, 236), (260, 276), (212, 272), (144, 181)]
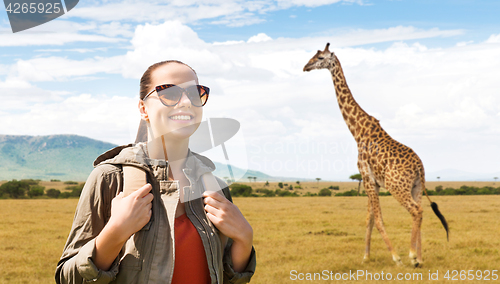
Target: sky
[(428, 70)]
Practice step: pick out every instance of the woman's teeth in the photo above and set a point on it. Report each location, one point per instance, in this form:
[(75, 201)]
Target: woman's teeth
[(181, 117)]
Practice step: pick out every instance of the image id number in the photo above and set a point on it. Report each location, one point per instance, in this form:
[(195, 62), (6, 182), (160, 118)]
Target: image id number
[(471, 275), (32, 8)]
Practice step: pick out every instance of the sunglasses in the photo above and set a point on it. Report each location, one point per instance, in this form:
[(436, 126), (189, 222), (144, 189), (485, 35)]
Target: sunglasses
[(170, 94)]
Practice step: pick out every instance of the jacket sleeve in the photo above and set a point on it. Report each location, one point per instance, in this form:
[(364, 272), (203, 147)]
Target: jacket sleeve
[(230, 275), (93, 211)]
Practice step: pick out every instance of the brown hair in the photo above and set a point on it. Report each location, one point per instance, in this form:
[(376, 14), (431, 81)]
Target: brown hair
[(145, 86), (145, 83)]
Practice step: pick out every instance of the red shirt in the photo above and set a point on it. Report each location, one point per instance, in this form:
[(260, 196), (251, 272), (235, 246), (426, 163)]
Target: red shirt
[(190, 260)]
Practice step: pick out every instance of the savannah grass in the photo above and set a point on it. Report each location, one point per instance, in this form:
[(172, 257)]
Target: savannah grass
[(306, 234)]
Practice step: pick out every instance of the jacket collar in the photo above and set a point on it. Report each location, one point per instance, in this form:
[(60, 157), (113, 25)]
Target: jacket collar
[(135, 155)]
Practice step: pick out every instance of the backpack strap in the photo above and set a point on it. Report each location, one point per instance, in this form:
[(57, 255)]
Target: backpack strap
[(133, 179)]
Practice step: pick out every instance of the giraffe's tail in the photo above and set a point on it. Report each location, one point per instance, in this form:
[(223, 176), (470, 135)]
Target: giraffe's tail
[(434, 207)]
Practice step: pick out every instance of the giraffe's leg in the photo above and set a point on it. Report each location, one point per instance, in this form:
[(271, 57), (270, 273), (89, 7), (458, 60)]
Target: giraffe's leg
[(405, 198), (379, 223), (419, 246), (370, 220), (415, 247), (417, 196)]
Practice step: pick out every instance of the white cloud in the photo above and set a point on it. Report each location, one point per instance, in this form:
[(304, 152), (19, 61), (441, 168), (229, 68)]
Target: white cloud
[(493, 39), (350, 37), (229, 42), (79, 50), (140, 11), (57, 68), (170, 40), (56, 32), (261, 37), (230, 13), (25, 39), (115, 29), (4, 69), (14, 83), (464, 43), (285, 4)]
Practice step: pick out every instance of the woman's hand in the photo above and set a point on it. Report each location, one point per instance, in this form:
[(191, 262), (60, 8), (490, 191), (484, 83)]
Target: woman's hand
[(228, 219), (130, 213)]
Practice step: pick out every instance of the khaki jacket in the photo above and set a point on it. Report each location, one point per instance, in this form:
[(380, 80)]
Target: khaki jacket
[(148, 255)]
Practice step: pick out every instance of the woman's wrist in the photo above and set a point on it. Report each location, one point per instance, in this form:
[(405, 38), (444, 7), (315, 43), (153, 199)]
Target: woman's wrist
[(108, 245), (115, 232), (241, 250), (245, 238)]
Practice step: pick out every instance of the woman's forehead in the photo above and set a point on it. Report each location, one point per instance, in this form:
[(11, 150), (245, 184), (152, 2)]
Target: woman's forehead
[(173, 73)]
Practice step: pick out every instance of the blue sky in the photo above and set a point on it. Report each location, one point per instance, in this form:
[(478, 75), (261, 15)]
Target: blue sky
[(426, 69)]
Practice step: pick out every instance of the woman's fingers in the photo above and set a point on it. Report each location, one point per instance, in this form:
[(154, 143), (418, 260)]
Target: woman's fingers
[(213, 210), (213, 202), (217, 195), (143, 191)]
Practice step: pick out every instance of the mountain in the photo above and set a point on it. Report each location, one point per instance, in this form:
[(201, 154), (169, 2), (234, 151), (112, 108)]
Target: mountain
[(64, 157), (70, 157), (223, 172)]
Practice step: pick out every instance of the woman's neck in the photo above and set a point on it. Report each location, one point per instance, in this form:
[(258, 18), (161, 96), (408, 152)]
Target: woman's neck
[(166, 148), (172, 150)]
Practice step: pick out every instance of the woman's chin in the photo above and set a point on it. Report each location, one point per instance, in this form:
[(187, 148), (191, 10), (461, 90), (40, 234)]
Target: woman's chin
[(183, 132)]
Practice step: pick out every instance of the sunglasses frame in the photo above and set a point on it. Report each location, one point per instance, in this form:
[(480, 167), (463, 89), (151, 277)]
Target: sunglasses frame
[(166, 86)]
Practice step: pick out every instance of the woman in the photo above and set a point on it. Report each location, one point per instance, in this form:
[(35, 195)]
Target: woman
[(130, 239)]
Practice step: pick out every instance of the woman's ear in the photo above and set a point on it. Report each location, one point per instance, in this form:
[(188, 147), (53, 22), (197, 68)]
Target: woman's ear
[(143, 111)]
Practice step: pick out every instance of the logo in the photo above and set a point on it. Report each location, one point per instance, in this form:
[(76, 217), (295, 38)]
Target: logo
[(25, 14)]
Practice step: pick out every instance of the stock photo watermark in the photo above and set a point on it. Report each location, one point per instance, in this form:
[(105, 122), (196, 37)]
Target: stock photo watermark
[(26, 14), (365, 275), (305, 156)]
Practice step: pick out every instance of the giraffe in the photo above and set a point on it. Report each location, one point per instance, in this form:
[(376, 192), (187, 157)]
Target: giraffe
[(382, 162)]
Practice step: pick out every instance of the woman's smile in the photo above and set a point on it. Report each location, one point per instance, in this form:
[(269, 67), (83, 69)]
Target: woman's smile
[(181, 117)]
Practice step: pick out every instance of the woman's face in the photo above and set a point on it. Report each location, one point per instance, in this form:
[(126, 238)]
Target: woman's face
[(179, 121)]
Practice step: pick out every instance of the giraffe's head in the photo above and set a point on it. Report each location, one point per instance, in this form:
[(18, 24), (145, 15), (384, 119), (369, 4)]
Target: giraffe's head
[(322, 59)]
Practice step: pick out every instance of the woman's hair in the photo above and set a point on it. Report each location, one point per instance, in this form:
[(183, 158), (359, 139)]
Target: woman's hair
[(145, 86)]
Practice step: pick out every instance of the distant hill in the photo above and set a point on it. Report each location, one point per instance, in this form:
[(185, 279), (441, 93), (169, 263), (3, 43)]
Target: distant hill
[(70, 157), (64, 157), (223, 172)]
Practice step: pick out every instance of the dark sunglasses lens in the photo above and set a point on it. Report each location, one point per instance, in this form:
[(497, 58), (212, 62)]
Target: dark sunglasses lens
[(195, 94), (170, 96)]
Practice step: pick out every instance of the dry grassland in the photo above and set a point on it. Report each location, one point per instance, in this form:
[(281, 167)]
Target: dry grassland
[(306, 234)]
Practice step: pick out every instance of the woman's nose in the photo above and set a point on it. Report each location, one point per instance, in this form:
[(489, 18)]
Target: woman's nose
[(185, 101)]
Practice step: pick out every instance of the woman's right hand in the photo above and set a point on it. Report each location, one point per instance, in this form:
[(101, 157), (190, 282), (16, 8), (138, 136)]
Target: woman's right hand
[(130, 213)]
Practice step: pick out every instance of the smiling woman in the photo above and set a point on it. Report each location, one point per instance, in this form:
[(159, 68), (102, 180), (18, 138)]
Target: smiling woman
[(161, 231)]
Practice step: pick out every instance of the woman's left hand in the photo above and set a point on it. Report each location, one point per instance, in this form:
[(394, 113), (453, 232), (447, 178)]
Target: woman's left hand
[(227, 218)]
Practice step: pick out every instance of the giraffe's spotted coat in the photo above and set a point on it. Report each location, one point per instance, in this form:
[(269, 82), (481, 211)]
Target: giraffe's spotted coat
[(382, 161)]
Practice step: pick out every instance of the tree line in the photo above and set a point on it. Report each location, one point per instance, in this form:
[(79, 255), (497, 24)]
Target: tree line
[(241, 190), (31, 188)]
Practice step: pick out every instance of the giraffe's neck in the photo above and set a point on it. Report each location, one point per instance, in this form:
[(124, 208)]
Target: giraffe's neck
[(355, 117)]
